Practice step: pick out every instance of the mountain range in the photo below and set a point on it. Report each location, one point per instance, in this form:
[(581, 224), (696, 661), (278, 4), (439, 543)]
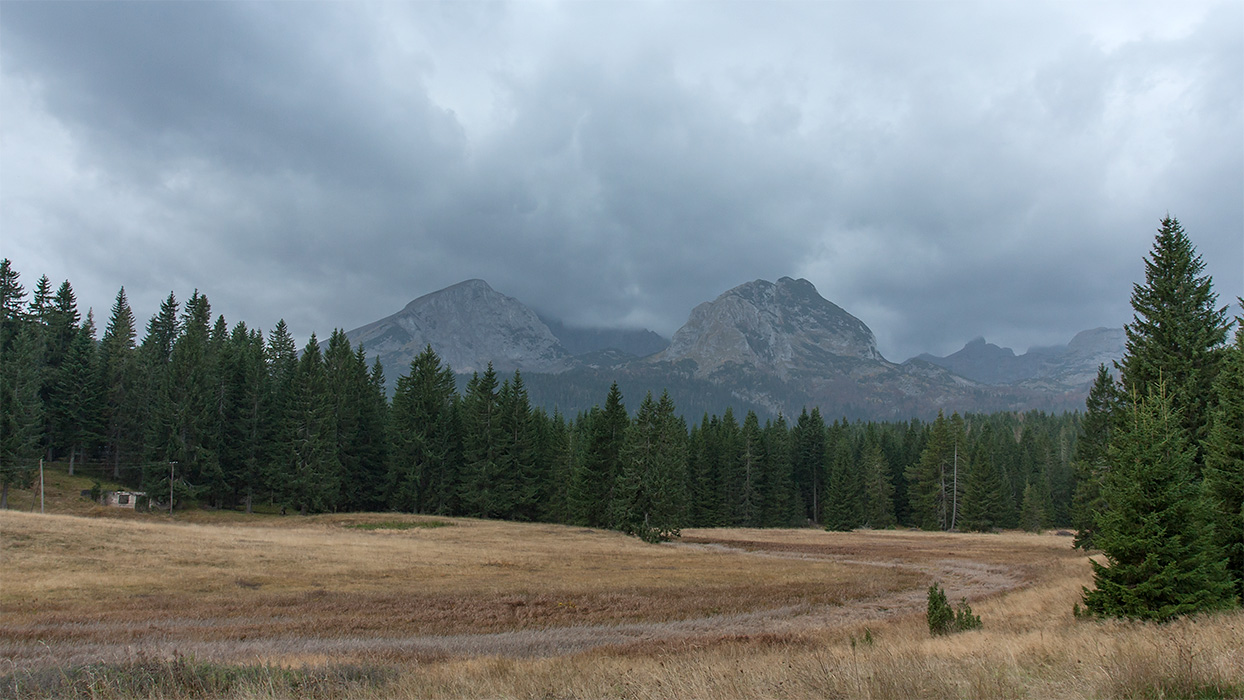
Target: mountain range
[(772, 347)]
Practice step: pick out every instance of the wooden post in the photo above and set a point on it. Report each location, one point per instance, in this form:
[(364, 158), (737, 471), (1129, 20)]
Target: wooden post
[(41, 486)]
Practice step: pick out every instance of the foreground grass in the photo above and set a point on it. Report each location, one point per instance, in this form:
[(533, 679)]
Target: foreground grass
[(388, 606)]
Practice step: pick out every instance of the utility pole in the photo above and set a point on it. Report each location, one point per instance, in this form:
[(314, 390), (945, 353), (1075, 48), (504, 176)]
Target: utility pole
[(170, 488)]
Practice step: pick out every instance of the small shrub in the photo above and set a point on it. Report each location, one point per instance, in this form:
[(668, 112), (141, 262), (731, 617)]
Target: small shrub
[(944, 619)]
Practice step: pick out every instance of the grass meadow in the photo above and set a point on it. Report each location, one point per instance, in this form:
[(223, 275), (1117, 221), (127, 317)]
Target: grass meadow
[(99, 603)]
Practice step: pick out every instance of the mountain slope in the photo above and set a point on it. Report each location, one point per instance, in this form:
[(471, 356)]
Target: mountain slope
[(771, 328), (468, 325)]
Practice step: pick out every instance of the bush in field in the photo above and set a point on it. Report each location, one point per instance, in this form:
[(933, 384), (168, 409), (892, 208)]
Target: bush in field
[(944, 619)]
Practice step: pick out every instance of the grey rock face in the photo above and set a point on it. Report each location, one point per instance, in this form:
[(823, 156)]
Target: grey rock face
[(468, 325), (777, 328)]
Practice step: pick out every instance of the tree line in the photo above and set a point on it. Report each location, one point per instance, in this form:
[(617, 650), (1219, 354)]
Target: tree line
[(235, 419)]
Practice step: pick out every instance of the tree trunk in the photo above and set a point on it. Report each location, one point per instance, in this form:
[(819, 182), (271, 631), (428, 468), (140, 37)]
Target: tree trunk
[(4, 496), (249, 495)]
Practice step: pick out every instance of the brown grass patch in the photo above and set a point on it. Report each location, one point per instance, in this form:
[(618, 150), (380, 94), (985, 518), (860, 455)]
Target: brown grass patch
[(502, 610)]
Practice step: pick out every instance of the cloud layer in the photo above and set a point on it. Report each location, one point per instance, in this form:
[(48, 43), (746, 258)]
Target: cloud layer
[(941, 170)]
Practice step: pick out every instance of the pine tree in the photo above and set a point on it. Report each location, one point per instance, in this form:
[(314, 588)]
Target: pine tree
[(424, 436), (21, 409), (12, 301), (1161, 560), (277, 420), (982, 496), (313, 469), (842, 497), (808, 461), (75, 403), (484, 491), (781, 507), (520, 473), (1092, 447), (650, 499), (1175, 333), (932, 482), (119, 382), (749, 473), (594, 476), (1224, 460), (878, 491)]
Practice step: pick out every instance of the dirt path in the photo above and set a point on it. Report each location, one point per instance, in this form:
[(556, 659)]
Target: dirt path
[(960, 577)]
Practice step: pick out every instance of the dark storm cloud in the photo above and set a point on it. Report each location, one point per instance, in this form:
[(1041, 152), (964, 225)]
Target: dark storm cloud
[(940, 170)]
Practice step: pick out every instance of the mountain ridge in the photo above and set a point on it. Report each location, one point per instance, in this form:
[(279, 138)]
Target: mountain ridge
[(773, 347)]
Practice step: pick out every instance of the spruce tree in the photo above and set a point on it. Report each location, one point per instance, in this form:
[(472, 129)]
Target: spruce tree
[(650, 500), (313, 468), (933, 480), (781, 506), (1092, 447), (593, 477), (485, 492), (424, 437), (12, 302), (75, 402), (1224, 459), (808, 461), (1175, 333), (982, 497), (21, 409), (1161, 562), (119, 381), (878, 491), (842, 498), (749, 474)]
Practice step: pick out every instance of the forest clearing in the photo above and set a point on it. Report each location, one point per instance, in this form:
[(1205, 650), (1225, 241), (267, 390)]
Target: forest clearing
[(390, 605)]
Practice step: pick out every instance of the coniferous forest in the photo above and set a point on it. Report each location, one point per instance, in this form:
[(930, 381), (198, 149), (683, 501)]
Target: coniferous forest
[(223, 416)]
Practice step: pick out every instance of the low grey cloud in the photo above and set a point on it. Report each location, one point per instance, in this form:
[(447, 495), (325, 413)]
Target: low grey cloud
[(940, 170)]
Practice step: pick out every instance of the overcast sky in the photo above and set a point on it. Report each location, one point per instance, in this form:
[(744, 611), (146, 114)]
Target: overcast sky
[(941, 170)]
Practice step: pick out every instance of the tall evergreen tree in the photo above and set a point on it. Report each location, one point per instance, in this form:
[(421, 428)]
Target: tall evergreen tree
[(650, 496), (781, 507), (485, 492), (21, 409), (1175, 333), (519, 472), (878, 512), (593, 478), (1092, 449), (424, 436), (982, 496), (749, 472), (932, 481), (313, 468), (12, 303), (843, 492), (1161, 562), (808, 461), (75, 402), (1224, 460), (119, 382)]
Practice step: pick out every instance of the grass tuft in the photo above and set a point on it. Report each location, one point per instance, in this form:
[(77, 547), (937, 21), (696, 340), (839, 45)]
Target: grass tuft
[(185, 678)]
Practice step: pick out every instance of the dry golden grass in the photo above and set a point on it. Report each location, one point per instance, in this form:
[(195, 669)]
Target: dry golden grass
[(498, 610)]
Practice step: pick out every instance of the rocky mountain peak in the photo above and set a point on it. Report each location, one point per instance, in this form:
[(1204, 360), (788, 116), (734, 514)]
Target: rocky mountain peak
[(469, 325), (777, 327)]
